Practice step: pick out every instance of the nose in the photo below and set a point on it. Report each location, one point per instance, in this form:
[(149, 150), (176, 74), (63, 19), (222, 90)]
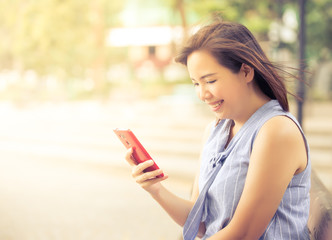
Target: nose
[(203, 93)]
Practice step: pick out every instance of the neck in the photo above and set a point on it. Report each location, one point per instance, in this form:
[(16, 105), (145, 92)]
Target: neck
[(255, 100)]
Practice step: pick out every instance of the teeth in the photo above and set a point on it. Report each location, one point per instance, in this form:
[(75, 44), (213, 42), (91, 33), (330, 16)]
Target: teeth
[(217, 105)]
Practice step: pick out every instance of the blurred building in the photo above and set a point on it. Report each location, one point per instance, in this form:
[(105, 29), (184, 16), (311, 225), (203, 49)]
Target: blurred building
[(150, 51), (147, 43)]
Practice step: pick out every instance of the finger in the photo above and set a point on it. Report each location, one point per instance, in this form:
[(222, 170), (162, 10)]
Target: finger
[(139, 169), (148, 176), (153, 181), (129, 157)]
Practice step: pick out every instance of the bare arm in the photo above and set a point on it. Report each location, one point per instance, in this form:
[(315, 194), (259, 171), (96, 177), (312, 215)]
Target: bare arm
[(177, 208), (278, 153)]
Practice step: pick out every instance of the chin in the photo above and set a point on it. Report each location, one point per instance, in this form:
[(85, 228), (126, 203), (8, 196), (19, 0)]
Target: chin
[(220, 116)]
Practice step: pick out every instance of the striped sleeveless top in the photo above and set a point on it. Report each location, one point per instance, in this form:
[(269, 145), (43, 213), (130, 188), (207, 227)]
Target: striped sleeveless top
[(222, 177)]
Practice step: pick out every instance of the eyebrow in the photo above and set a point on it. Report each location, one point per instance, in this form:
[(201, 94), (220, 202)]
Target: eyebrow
[(204, 76)]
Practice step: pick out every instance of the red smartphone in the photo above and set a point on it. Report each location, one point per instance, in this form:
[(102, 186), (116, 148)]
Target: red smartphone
[(128, 138)]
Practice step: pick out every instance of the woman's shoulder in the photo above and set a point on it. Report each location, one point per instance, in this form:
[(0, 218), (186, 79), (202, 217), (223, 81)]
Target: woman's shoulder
[(281, 137), (281, 126)]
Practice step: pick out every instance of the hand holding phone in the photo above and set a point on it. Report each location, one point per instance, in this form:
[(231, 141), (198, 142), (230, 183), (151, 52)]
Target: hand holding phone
[(140, 155)]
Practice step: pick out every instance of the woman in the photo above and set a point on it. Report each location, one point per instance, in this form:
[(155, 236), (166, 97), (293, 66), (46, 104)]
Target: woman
[(254, 176)]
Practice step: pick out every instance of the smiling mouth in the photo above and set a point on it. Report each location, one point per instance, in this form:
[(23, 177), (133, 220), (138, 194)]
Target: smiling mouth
[(215, 106)]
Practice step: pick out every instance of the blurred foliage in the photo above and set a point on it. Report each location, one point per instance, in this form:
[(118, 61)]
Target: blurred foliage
[(55, 36), (255, 14), (67, 38), (319, 28)]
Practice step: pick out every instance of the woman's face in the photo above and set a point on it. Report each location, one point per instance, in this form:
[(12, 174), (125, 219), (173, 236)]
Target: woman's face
[(225, 92)]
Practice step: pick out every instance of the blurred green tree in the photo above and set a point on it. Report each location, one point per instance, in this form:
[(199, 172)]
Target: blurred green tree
[(67, 37), (319, 28), (257, 15), (57, 37)]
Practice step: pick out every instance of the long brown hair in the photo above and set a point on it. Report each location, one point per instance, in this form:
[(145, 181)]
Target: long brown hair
[(232, 44)]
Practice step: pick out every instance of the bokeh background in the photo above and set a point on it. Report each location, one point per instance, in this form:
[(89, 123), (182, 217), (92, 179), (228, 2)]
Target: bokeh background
[(73, 70)]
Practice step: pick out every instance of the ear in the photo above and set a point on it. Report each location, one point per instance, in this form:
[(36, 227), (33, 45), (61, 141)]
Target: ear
[(248, 72)]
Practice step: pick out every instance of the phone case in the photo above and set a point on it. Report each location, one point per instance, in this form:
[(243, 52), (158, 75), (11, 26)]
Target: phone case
[(128, 138)]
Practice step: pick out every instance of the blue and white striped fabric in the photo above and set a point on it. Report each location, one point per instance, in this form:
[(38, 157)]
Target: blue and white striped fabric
[(222, 176)]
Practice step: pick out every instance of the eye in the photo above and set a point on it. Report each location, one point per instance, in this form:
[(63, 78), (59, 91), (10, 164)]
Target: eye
[(210, 82)]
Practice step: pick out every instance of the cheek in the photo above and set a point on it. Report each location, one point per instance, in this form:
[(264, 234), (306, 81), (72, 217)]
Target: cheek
[(232, 90), (217, 91), (197, 92)]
